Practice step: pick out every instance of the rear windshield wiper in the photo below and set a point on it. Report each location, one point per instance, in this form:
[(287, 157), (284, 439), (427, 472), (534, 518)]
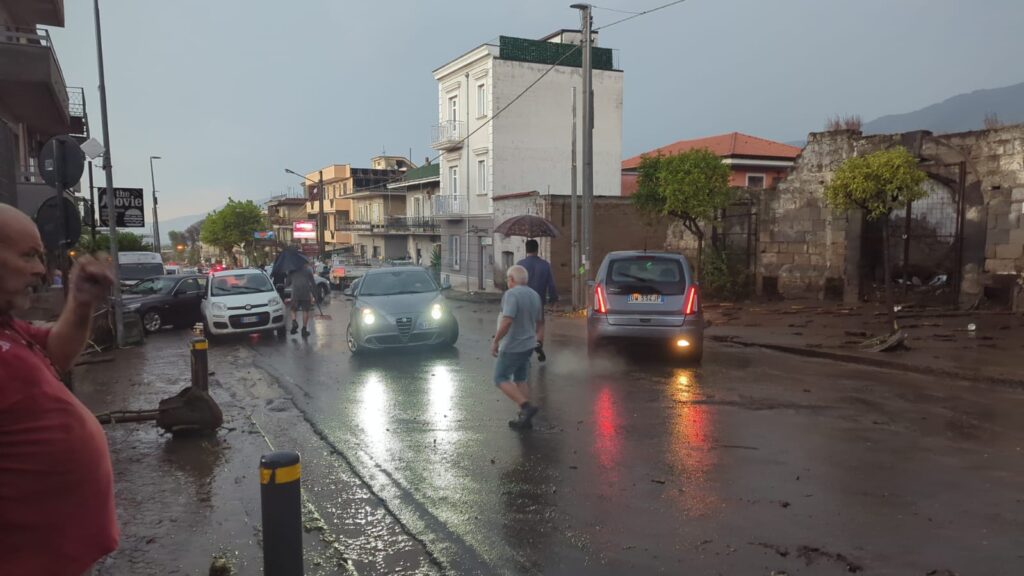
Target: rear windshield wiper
[(631, 277)]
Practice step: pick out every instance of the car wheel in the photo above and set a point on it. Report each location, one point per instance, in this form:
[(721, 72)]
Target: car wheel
[(151, 321), (353, 343), (323, 291), (453, 334)]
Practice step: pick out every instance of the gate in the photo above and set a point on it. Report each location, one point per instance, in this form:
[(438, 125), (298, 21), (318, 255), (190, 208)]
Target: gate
[(734, 234)]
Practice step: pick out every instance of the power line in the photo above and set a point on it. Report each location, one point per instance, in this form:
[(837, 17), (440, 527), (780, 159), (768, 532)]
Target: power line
[(638, 14), (615, 10)]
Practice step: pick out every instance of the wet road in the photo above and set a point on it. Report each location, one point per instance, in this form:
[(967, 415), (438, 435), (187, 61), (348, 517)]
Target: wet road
[(755, 462)]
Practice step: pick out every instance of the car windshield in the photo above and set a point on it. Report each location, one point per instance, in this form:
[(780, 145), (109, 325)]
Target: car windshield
[(234, 284), (140, 271), (396, 282), (663, 275), (154, 286)]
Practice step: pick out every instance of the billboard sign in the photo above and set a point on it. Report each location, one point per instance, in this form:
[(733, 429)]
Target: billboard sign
[(264, 235), (304, 229), (129, 206)]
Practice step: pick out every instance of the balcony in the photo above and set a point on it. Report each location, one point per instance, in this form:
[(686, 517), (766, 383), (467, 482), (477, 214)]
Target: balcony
[(41, 12), (412, 225), (32, 85), (79, 127), (355, 226), (449, 205), (448, 135)]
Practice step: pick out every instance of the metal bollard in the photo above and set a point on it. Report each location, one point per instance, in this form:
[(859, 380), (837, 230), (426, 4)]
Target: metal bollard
[(200, 363), (281, 504)]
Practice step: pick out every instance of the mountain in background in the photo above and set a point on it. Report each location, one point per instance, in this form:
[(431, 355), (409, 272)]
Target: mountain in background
[(960, 113), (182, 222)]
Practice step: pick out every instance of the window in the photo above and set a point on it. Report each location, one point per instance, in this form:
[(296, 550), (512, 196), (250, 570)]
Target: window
[(453, 180), (376, 252), (481, 100), (453, 109), (417, 206), (481, 176), (508, 259), (454, 250), (340, 219), (755, 181)]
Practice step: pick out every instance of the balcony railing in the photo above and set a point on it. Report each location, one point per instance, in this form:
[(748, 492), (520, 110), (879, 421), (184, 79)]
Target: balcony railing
[(76, 109), (38, 37), (355, 226), (447, 204), (406, 225), (448, 135)]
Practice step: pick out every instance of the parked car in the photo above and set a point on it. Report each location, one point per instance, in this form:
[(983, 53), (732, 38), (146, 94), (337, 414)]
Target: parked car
[(647, 296), (397, 308), (163, 300), (241, 301)]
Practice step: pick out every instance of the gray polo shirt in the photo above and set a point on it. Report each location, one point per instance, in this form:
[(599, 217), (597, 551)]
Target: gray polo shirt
[(523, 306)]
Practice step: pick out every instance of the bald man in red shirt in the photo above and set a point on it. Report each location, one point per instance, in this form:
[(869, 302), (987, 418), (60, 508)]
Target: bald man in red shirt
[(56, 483)]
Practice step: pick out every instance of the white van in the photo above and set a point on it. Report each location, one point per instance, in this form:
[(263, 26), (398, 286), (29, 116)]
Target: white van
[(135, 266)]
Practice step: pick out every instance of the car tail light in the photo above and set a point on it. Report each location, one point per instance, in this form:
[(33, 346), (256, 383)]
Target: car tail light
[(691, 301), (600, 300)]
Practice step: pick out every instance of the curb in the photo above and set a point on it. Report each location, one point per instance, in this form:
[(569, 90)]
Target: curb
[(876, 362), (472, 297)]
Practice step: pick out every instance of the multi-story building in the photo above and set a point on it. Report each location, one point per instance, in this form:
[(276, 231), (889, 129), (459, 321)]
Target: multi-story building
[(418, 227), (373, 204), (342, 185), (282, 211), (526, 148), (395, 221), (35, 102)]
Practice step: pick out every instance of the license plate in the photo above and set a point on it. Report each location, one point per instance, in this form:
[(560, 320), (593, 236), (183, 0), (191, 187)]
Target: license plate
[(646, 299), (249, 319)]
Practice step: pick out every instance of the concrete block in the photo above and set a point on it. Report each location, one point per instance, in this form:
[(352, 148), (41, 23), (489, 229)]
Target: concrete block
[(990, 251), (1017, 195), (818, 226), (999, 236), (797, 247), (1001, 266), (804, 259), (1017, 237), (816, 260), (1009, 252)]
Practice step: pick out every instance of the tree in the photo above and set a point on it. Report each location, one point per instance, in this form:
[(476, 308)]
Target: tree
[(193, 232), (692, 186), (232, 226), (878, 184), (126, 242)]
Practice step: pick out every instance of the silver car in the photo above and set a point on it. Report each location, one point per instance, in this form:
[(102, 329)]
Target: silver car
[(398, 307), (647, 296)]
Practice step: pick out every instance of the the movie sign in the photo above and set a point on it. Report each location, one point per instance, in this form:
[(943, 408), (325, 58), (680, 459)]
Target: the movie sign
[(304, 229), (128, 202), (264, 235)]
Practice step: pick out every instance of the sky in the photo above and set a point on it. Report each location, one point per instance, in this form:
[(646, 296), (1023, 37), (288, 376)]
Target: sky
[(231, 92)]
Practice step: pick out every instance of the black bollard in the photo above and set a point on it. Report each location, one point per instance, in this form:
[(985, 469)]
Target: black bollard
[(200, 363), (281, 503)]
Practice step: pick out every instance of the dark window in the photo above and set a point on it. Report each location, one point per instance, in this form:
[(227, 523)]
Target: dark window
[(188, 285), (647, 273)]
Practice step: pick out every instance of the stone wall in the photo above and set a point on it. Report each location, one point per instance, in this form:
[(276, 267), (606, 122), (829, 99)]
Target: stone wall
[(806, 249)]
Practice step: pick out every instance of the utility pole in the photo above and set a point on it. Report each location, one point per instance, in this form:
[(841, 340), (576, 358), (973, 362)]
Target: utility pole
[(320, 225), (108, 169), (93, 213), (156, 221), (588, 143), (574, 225)]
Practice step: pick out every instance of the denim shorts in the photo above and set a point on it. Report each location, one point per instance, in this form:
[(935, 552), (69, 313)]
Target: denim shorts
[(512, 367)]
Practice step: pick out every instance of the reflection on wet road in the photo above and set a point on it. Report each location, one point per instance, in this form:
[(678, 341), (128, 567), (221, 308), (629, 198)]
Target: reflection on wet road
[(638, 466)]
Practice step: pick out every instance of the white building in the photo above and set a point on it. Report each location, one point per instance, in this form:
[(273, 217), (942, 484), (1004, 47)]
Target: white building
[(525, 148)]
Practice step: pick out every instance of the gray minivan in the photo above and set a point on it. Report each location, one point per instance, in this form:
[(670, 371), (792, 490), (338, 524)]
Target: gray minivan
[(647, 296)]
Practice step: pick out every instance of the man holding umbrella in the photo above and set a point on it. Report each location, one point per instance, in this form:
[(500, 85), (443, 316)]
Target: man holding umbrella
[(294, 270)]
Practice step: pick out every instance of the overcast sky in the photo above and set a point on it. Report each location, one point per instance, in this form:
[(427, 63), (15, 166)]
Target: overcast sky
[(230, 92)]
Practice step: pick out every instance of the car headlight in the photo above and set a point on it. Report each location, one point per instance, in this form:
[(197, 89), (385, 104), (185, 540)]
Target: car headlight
[(219, 307), (368, 317), (274, 302), (436, 311)]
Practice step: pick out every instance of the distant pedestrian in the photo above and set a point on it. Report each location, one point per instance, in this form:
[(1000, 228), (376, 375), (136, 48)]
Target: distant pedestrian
[(520, 328), (57, 512), (541, 280), (302, 284)]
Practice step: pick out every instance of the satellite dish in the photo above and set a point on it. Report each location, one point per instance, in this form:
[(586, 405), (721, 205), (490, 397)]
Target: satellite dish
[(47, 220)]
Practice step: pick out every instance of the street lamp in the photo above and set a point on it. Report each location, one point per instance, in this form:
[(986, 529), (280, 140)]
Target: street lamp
[(320, 221), (156, 221)]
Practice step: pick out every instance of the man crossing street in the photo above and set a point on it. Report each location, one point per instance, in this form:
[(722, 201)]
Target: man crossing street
[(520, 327)]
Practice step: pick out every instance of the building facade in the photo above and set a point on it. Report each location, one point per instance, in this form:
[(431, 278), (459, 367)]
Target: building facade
[(754, 163), (35, 102), (374, 204), (526, 148), (337, 207), (282, 212)]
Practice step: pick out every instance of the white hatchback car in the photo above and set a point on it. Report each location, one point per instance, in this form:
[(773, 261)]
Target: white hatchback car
[(241, 301)]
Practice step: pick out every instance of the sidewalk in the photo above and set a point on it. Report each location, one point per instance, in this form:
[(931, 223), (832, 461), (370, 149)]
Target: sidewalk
[(185, 503), (939, 341)]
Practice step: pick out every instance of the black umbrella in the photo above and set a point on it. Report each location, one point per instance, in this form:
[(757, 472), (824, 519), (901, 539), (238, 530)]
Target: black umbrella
[(529, 226), (288, 261)]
